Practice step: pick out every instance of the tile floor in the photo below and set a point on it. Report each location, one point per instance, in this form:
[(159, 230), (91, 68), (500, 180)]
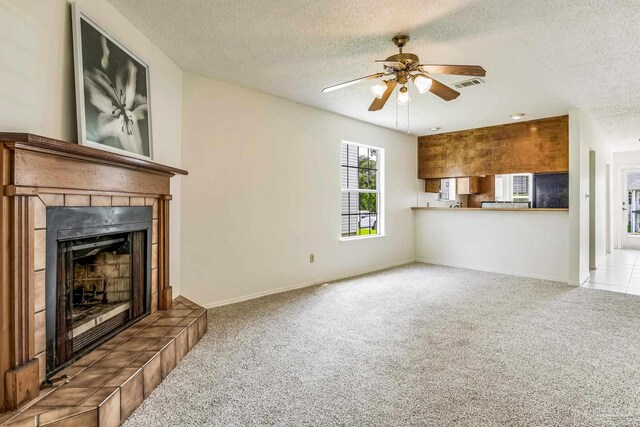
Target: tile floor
[(620, 272)]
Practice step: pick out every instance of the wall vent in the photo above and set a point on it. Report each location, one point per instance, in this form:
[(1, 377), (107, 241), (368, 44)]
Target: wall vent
[(467, 83)]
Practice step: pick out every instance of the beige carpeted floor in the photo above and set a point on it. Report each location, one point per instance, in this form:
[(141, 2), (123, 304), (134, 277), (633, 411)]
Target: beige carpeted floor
[(418, 345)]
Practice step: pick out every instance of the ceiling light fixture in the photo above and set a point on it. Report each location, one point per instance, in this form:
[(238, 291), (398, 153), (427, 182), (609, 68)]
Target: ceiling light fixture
[(422, 82), (379, 89), (403, 96), (517, 116), (434, 129)]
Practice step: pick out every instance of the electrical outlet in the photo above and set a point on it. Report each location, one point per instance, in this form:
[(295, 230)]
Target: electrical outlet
[(312, 258)]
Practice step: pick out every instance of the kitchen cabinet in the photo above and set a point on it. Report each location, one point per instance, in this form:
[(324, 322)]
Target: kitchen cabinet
[(468, 185), (433, 185)]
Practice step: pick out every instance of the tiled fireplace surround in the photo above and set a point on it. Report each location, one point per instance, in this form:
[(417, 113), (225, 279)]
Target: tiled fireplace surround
[(105, 386)]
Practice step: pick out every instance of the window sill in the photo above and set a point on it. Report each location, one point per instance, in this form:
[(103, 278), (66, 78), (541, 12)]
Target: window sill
[(351, 239)]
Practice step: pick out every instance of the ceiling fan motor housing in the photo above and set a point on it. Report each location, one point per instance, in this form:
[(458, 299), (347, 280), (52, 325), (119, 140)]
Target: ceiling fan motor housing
[(408, 59)]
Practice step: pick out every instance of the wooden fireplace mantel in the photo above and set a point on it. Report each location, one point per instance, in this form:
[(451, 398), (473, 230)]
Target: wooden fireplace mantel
[(37, 172)]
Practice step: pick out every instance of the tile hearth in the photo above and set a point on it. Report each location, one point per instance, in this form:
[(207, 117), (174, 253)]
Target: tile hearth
[(104, 387)]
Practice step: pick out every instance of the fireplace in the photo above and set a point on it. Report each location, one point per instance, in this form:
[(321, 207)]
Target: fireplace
[(103, 219), (97, 277)]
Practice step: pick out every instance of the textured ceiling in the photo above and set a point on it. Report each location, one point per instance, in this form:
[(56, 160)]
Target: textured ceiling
[(542, 57)]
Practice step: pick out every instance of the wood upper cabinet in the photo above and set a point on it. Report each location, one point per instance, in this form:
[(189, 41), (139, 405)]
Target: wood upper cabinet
[(468, 185), (433, 185), (537, 146), (487, 192)]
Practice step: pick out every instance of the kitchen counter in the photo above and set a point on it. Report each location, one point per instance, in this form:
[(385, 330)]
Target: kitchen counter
[(492, 209), (522, 242)]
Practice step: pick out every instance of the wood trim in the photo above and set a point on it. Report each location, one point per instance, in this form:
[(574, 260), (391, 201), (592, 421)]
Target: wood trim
[(22, 280), (164, 286), (27, 141), (32, 169), (21, 384), (5, 280), (22, 381)]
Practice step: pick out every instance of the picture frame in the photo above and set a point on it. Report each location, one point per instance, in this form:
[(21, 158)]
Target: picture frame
[(112, 91)]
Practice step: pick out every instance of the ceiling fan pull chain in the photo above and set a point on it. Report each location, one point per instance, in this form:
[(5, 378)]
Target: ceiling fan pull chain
[(408, 118)]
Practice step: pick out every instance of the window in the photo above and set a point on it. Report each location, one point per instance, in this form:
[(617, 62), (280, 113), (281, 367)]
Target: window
[(522, 188), (361, 183), (514, 187)]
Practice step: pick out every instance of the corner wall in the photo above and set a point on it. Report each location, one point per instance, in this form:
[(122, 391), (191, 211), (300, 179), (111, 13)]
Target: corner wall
[(264, 192), (584, 137), (38, 89)]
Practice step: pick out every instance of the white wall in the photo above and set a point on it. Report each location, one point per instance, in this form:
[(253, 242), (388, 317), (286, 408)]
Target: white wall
[(264, 192), (578, 205), (37, 92), (527, 243)]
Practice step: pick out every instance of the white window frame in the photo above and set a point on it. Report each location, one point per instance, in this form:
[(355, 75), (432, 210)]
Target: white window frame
[(379, 191), (529, 197)]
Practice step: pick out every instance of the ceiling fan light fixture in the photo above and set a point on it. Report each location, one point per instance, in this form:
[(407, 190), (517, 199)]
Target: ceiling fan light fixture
[(379, 89), (422, 82), (403, 96)]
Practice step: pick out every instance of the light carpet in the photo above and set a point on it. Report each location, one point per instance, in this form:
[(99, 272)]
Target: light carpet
[(418, 345)]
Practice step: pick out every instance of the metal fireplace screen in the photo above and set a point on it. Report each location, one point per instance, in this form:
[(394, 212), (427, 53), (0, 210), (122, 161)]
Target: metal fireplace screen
[(101, 287), (101, 280)]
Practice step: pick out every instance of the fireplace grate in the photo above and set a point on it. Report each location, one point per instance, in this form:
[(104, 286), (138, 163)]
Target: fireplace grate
[(104, 329)]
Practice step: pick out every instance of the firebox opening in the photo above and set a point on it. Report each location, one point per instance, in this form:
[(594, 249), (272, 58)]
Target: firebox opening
[(101, 288), (101, 281)]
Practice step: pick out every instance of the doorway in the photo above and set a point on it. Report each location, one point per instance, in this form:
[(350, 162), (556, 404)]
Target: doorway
[(631, 209)]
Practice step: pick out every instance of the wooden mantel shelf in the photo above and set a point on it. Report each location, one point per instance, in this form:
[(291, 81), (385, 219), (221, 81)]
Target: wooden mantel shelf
[(28, 141)]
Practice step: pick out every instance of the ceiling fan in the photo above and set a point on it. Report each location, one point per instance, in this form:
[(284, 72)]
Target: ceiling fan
[(405, 67)]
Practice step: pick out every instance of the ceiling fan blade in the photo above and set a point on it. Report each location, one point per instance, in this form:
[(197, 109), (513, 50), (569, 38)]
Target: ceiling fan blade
[(378, 103), (443, 91), (458, 70), (393, 64), (352, 82)]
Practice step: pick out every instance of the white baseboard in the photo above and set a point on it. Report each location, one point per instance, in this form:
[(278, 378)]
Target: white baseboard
[(499, 271), (585, 277), (302, 285)]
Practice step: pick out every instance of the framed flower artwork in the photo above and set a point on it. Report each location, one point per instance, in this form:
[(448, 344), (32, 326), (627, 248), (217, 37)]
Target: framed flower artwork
[(112, 91)]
